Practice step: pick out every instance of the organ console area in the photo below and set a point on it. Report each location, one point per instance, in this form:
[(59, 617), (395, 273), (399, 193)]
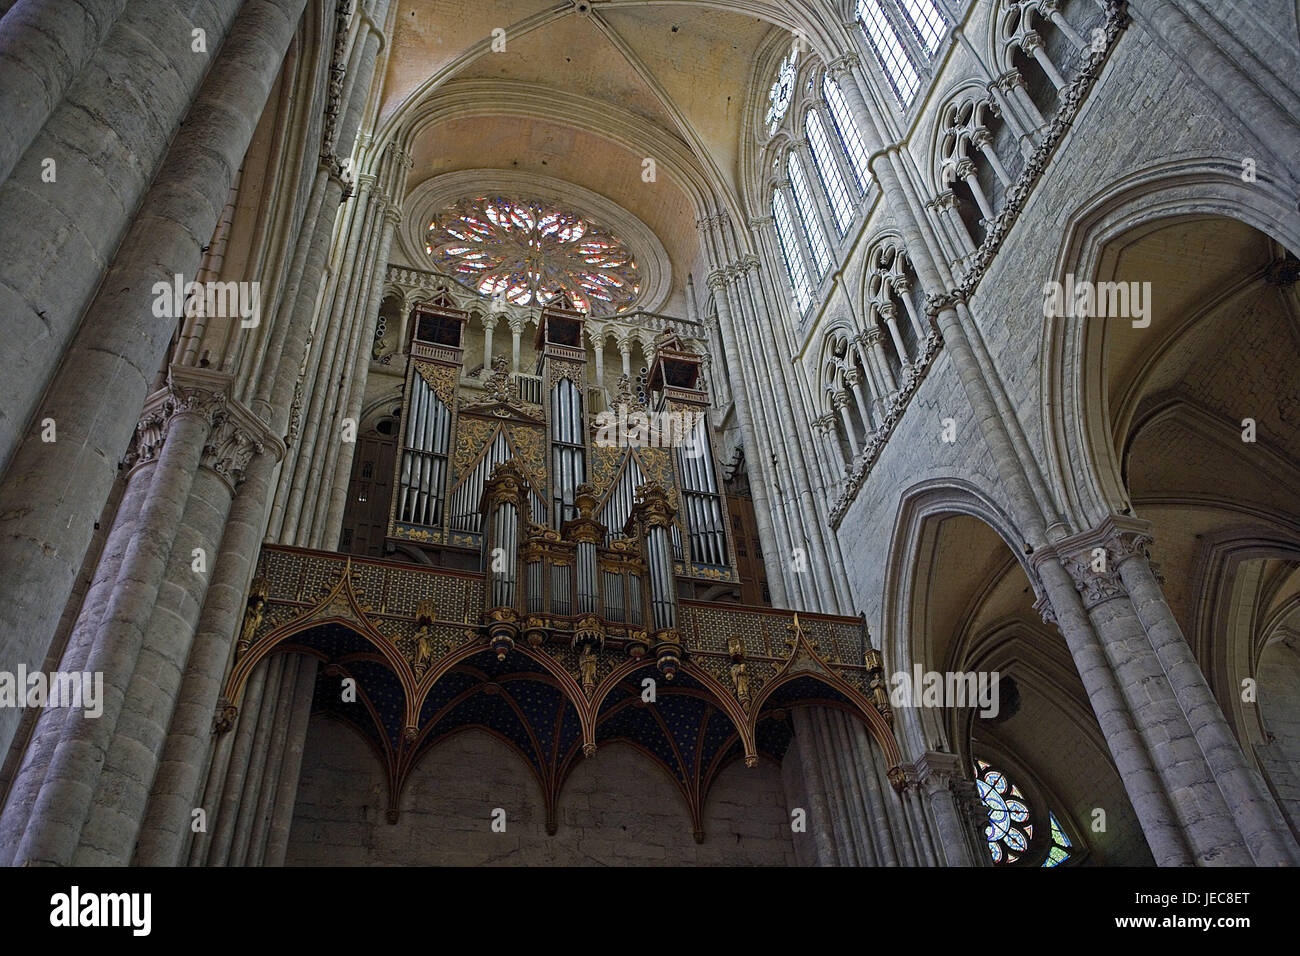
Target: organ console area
[(589, 511)]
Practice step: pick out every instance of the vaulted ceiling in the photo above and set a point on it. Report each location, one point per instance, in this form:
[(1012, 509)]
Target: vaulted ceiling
[(585, 92)]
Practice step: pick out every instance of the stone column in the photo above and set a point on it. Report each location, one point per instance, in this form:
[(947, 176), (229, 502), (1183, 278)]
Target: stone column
[(1013, 82), (821, 825), (44, 44), (840, 402), (982, 140), (826, 428), (875, 343), (966, 171), (330, 354), (489, 323), (1032, 44), (853, 379), (183, 764), (49, 726), (341, 456), (903, 286), (1258, 817), (944, 208), (118, 103), (516, 330), (773, 547), (1001, 88), (55, 490), (889, 312), (286, 796), (1051, 10), (940, 777), (108, 837), (64, 801), (598, 345)]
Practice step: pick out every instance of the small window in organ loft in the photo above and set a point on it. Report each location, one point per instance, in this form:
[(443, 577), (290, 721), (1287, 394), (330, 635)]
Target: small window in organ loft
[(367, 469)]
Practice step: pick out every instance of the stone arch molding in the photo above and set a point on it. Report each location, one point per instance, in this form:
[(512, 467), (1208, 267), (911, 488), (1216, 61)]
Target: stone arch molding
[(438, 192), (919, 730), (1082, 462)]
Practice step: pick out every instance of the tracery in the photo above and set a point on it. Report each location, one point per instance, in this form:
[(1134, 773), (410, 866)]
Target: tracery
[(527, 252)]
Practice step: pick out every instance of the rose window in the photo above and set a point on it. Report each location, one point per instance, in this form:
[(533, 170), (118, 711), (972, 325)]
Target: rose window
[(528, 252)]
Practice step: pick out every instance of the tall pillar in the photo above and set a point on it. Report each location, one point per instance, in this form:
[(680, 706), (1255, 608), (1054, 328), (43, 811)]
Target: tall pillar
[(1258, 818), (128, 100), (43, 46), (64, 801), (183, 764), (774, 547), (109, 834), (341, 456), (55, 490)]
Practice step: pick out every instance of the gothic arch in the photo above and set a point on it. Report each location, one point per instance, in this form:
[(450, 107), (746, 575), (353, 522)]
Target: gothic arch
[(1082, 460), (921, 508)]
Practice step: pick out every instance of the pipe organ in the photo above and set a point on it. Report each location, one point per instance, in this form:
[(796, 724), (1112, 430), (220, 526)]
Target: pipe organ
[(587, 527)]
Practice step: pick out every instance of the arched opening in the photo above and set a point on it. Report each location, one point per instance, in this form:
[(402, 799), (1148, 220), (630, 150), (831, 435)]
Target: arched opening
[(1189, 387), (977, 673)]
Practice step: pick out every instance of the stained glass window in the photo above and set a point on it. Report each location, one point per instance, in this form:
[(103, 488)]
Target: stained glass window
[(812, 226), (778, 99), (526, 251), (1062, 849), (829, 172), (790, 252), (1009, 830), (926, 22), (889, 49), (847, 130)]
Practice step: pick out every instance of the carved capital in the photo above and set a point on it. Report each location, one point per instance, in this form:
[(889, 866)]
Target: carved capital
[(842, 66), (943, 201)]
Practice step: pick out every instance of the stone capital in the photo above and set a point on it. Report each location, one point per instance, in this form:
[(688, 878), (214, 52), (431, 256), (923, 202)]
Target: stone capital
[(842, 65), (943, 201), (1008, 81), (938, 770)]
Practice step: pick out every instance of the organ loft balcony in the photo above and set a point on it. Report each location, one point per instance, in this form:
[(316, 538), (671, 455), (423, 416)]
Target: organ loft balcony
[(547, 554)]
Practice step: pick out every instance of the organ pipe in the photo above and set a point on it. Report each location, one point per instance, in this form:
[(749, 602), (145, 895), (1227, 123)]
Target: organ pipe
[(427, 434)]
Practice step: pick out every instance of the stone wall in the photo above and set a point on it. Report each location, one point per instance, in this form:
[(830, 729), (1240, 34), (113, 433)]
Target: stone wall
[(616, 808)]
